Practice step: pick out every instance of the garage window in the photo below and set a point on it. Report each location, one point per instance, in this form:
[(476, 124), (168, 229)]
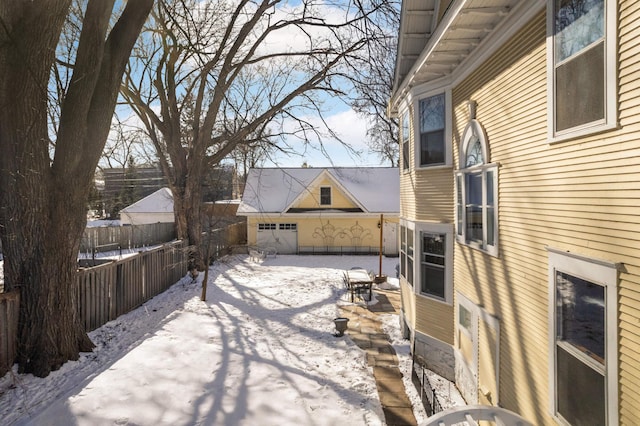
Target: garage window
[(266, 226), (325, 196), (288, 226)]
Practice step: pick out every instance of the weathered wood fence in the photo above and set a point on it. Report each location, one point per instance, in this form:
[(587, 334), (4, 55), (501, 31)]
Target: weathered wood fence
[(107, 238), (115, 287), (9, 304)]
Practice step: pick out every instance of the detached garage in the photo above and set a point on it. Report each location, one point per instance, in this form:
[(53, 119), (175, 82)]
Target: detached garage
[(322, 210), (154, 208), (281, 236)]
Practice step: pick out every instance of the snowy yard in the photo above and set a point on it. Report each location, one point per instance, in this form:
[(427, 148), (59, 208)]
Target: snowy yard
[(261, 350)]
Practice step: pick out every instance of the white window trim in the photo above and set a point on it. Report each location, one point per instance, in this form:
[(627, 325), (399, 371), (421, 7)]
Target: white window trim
[(407, 114), (611, 80), (434, 228), (475, 128), (598, 272), (410, 226), (448, 130)]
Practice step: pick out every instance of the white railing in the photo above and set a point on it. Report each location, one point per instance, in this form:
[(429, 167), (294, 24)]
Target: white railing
[(472, 414)]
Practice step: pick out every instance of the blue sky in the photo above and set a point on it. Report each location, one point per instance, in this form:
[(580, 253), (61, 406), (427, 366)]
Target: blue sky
[(338, 116)]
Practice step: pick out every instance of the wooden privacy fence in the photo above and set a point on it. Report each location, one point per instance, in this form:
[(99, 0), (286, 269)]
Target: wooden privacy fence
[(105, 291), (115, 287), (107, 238), (218, 242), (9, 303)]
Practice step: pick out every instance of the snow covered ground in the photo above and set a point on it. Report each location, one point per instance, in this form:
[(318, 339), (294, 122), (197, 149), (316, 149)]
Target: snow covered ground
[(260, 350)]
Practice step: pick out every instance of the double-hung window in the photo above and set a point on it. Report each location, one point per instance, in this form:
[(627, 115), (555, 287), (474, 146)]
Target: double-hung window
[(583, 339), (432, 112), (435, 254), (433, 264), (405, 135), (406, 253), (476, 193), (582, 66)]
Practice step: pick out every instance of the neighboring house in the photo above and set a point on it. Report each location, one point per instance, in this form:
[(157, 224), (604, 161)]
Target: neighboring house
[(520, 186), (154, 208), (322, 210)]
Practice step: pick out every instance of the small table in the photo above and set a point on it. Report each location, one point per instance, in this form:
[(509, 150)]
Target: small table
[(359, 280)]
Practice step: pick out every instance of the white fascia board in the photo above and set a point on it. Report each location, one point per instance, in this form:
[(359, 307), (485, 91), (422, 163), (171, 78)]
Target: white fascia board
[(433, 42)]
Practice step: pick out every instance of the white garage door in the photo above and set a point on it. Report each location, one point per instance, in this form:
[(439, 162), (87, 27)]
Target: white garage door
[(282, 236)]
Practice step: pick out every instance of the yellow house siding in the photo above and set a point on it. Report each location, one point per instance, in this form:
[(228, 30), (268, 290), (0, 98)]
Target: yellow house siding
[(314, 231), (629, 241), (580, 195), (434, 318), (408, 303), (407, 177), (407, 199), (433, 192), (510, 91), (334, 232)]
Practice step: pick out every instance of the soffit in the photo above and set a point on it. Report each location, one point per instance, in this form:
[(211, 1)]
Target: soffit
[(464, 26)]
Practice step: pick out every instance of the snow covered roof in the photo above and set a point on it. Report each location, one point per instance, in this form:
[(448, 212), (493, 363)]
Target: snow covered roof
[(274, 190), (160, 201)]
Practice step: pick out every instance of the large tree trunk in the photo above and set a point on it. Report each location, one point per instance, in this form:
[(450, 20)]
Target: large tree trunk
[(43, 200), (187, 201)]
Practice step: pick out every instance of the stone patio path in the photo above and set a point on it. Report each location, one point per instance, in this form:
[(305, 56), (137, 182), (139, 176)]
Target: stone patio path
[(364, 328)]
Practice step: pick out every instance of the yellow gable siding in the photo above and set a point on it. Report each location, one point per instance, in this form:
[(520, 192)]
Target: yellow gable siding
[(580, 195), (311, 197)]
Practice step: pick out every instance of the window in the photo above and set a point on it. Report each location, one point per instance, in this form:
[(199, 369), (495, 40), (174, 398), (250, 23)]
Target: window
[(266, 226), (405, 135), (583, 339), (464, 318), (432, 130), (406, 254), (325, 196), (432, 264), (288, 227), (582, 65), (476, 190)]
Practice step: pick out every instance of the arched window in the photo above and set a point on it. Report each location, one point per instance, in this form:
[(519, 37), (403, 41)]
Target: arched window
[(477, 189)]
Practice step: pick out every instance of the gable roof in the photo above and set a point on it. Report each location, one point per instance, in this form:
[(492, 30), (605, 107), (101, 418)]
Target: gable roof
[(274, 190), (322, 176), (160, 201)]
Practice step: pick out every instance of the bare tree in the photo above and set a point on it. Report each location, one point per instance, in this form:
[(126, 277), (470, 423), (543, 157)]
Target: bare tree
[(123, 143), (43, 186), (372, 77), (213, 75)]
